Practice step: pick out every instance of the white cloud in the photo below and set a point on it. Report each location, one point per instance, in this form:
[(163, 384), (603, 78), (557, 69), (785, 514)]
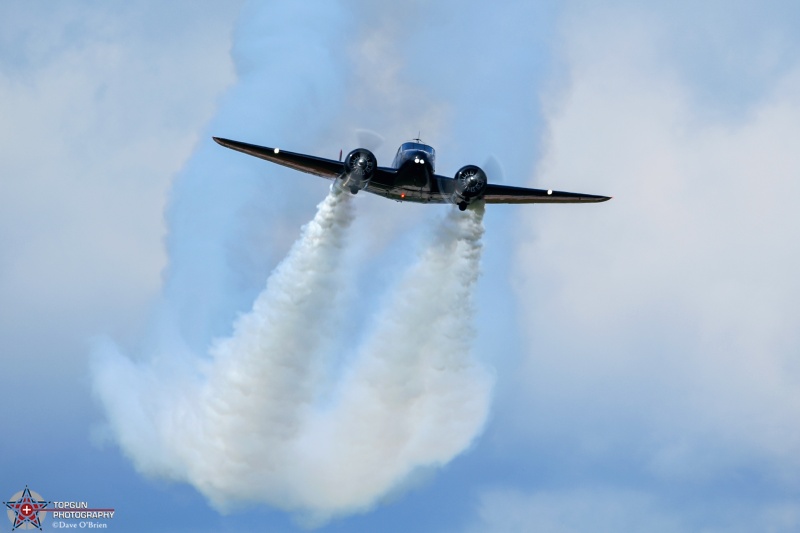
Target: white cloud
[(100, 108), (571, 511), (610, 510), (100, 105), (660, 324)]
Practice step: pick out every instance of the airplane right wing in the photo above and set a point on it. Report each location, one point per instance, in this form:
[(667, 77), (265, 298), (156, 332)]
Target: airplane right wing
[(504, 194), (319, 166), (325, 168)]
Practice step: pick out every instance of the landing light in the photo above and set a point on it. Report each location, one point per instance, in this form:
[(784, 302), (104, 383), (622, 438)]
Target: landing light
[(549, 191), (277, 150), (416, 160)]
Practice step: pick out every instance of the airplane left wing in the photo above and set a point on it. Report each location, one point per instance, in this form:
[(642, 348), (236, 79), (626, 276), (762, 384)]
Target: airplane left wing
[(504, 194), (326, 168)]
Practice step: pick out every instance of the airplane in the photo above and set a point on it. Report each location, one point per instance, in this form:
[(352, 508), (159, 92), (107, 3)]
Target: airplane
[(411, 177)]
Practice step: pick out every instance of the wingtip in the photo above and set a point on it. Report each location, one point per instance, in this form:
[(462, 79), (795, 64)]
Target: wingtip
[(227, 143), (598, 199)]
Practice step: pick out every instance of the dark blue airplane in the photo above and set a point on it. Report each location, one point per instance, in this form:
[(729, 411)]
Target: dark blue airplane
[(411, 177)]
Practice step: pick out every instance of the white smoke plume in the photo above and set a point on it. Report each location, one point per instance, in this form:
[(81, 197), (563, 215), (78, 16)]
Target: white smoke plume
[(248, 422), (415, 395), (217, 422)]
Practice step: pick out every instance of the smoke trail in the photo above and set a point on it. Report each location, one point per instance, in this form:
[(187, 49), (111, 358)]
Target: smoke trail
[(245, 424), (415, 397), (223, 422)]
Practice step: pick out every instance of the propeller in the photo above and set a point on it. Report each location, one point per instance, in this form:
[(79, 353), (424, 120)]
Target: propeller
[(493, 169), (369, 139)]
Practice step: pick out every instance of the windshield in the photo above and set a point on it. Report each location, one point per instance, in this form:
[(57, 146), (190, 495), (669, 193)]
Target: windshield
[(416, 146)]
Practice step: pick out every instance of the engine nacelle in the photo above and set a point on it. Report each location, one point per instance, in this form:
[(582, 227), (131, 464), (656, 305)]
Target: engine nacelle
[(359, 167), (470, 185)]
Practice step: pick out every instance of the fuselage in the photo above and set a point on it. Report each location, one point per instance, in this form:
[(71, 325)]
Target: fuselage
[(415, 163)]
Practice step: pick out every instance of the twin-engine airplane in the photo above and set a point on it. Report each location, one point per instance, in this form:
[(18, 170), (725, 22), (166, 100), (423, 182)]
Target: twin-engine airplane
[(411, 177)]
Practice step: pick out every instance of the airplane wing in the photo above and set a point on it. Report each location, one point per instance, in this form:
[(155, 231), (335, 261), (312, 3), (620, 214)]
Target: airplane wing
[(326, 168), (504, 194), (319, 166)]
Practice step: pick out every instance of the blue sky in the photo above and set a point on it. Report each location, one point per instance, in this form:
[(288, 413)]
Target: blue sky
[(644, 351)]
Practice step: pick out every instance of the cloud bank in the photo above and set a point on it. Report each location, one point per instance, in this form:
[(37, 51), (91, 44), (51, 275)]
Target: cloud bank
[(678, 381)]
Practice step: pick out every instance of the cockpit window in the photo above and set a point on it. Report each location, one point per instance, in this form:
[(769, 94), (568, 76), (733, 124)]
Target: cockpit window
[(416, 146)]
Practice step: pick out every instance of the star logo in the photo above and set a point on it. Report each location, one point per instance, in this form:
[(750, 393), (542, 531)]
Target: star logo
[(25, 509)]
